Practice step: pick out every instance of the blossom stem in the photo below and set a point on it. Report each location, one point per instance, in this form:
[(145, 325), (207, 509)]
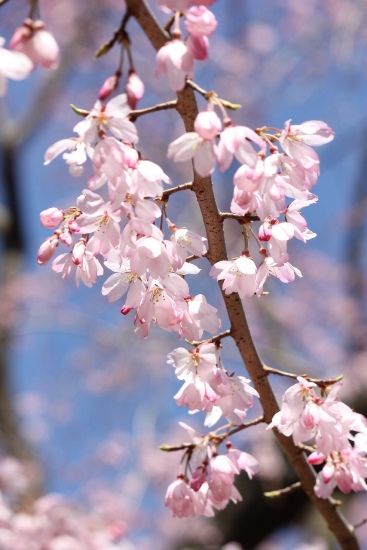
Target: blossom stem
[(247, 218), (216, 338), (183, 446), (281, 492), (159, 107), (115, 37), (237, 429), (182, 187), (318, 381), (208, 95)]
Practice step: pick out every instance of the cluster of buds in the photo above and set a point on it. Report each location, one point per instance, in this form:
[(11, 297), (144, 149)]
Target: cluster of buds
[(176, 58), (306, 415), (211, 484)]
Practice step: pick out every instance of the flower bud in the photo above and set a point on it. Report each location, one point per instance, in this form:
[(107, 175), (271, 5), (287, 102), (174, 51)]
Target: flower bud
[(134, 89), (198, 46), (328, 472), (47, 249), (265, 232), (109, 86), (198, 478), (66, 238), (37, 44), (51, 217), (207, 124), (199, 21), (79, 252)]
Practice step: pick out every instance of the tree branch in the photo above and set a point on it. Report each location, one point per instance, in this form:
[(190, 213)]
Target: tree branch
[(187, 107)]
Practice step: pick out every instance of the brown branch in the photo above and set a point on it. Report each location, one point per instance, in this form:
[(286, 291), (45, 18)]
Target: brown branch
[(187, 107), (247, 218), (208, 95), (182, 187), (213, 339), (133, 115), (318, 381)]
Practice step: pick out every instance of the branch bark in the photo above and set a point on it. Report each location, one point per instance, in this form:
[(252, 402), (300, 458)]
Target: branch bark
[(202, 187)]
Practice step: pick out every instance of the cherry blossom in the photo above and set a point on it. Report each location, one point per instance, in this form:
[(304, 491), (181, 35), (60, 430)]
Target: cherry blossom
[(239, 275), (37, 44), (13, 65), (175, 60)]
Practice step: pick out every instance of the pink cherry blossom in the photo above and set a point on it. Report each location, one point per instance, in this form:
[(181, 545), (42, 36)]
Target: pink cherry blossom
[(182, 500), (239, 275), (237, 141), (37, 44), (207, 124), (175, 60), (113, 116), (13, 65), (192, 146)]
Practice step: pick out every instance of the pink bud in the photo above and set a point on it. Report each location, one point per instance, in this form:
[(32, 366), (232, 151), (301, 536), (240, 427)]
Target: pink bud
[(73, 226), (47, 249), (311, 416), (207, 124), (316, 458), (344, 480), (198, 46), (66, 238), (198, 478), (109, 86), (36, 43), (79, 252), (134, 89), (45, 48), (199, 21), (264, 232), (328, 472), (51, 217)]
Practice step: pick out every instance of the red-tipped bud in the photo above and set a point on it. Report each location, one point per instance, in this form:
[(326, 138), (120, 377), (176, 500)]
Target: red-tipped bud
[(134, 89), (110, 85), (47, 249)]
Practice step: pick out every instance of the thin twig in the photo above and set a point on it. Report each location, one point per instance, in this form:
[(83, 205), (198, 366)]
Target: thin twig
[(115, 37), (318, 381), (257, 420), (172, 190), (286, 491), (308, 448), (360, 523), (133, 115), (213, 339), (183, 446), (207, 95), (246, 218)]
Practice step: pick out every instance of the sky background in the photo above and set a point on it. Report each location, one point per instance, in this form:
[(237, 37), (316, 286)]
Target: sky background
[(80, 378)]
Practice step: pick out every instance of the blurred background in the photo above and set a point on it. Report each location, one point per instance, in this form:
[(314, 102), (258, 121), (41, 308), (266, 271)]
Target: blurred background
[(79, 394)]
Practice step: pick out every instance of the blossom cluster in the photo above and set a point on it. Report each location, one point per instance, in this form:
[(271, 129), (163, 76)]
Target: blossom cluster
[(146, 266), (261, 186), (339, 433), (208, 387), (176, 58), (30, 45), (211, 484)]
